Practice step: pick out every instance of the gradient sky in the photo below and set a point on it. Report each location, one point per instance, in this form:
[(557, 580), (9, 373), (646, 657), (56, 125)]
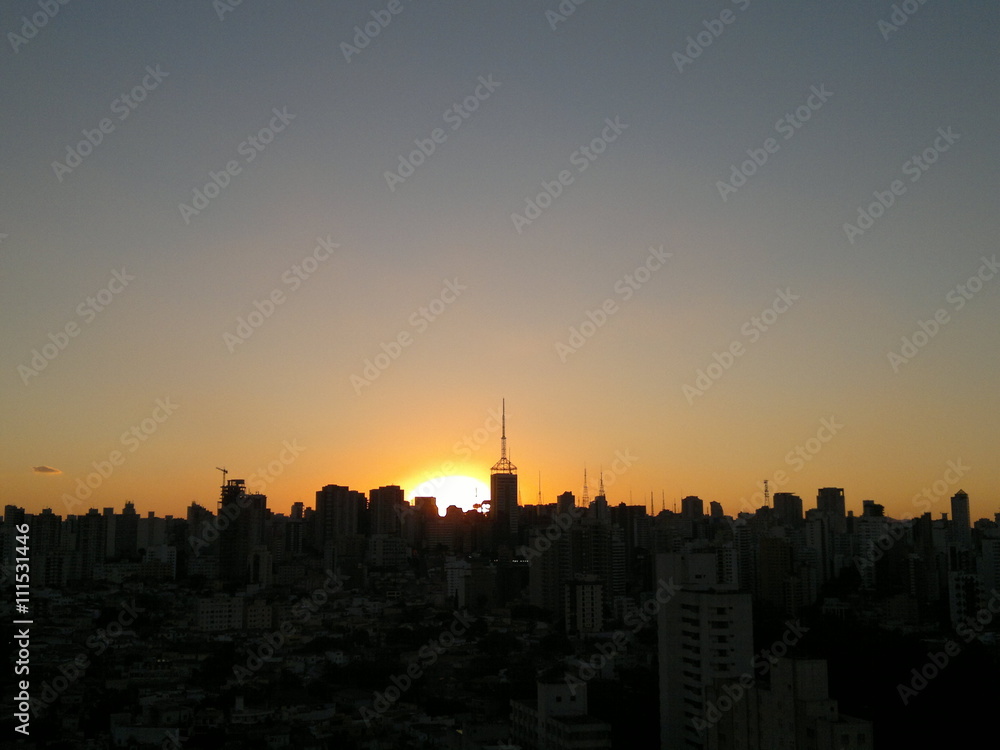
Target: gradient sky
[(656, 185)]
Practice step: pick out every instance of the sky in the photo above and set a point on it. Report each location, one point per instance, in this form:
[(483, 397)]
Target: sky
[(693, 245)]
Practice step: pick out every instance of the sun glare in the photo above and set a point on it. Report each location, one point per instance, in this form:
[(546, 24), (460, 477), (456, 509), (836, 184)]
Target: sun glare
[(465, 492)]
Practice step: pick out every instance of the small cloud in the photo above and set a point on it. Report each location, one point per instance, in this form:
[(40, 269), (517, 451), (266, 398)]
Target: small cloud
[(45, 470)]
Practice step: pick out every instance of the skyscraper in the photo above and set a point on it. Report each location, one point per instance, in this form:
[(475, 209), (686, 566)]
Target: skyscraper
[(339, 511), (692, 507), (830, 500), (705, 636), (788, 508), (503, 492), (127, 531), (960, 521), (385, 508)]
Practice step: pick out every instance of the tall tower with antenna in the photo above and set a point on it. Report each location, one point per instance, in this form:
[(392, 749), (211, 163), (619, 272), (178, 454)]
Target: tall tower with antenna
[(503, 489), (585, 500), (601, 501)]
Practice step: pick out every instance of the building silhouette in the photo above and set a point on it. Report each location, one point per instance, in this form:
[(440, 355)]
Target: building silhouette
[(504, 506)]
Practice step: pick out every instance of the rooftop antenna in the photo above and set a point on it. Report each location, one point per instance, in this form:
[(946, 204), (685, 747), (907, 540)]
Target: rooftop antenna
[(586, 494), (767, 495), (503, 429), (539, 487), (503, 466), (602, 484)]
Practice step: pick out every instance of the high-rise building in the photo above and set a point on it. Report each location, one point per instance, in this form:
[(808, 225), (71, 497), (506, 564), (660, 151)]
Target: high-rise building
[(91, 542), (385, 507), (819, 544), (960, 521), (292, 533), (339, 530), (503, 493), (339, 510), (558, 719), (127, 531), (831, 501), (788, 508), (793, 709), (871, 508), (705, 635), (692, 507), (426, 507), (584, 604), (241, 541)]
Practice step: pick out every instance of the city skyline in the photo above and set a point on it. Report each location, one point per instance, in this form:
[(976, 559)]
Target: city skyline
[(712, 237), (459, 481)]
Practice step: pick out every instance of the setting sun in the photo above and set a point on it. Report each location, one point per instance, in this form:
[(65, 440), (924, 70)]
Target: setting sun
[(462, 491)]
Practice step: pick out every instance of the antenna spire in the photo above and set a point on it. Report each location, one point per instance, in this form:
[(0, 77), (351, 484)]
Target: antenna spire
[(586, 494), (503, 429), (503, 466)]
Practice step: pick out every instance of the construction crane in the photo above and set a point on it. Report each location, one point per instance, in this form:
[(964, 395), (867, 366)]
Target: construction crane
[(224, 472)]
